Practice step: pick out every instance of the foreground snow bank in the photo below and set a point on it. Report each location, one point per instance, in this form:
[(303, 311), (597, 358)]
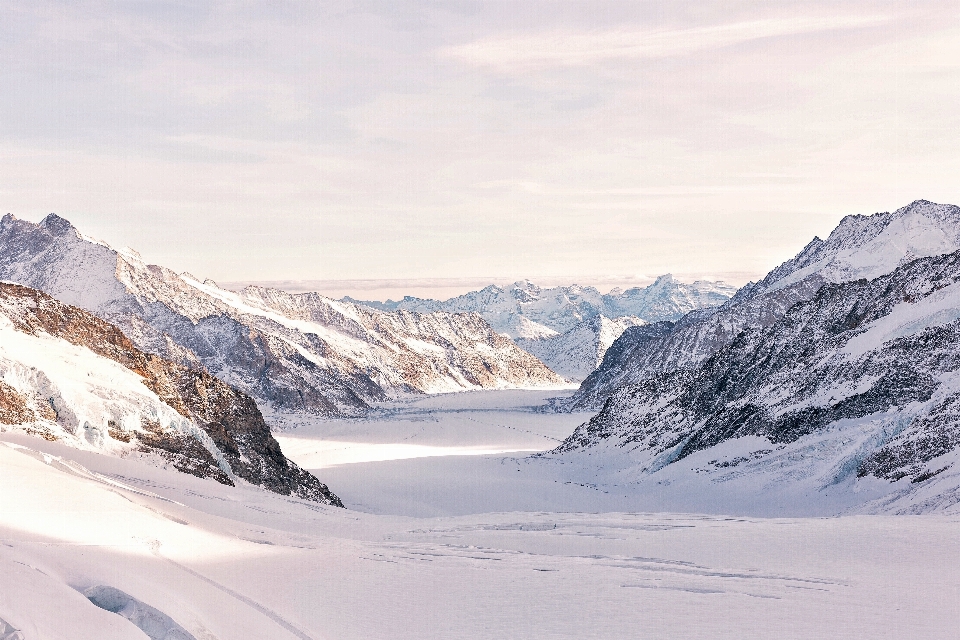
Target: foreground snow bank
[(234, 562)]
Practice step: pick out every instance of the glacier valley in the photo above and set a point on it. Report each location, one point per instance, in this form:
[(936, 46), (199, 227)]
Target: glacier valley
[(180, 461)]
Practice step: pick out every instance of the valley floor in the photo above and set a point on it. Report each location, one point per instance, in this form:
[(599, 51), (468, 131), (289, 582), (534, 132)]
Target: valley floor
[(440, 542)]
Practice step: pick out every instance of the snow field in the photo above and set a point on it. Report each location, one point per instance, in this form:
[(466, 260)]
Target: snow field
[(242, 563)]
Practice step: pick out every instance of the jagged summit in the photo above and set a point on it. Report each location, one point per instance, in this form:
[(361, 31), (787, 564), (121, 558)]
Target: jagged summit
[(866, 246), (56, 225), (860, 247)]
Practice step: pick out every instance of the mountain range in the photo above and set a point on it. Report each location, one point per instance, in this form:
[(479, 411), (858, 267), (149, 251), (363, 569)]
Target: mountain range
[(840, 368), (291, 352), (836, 374), (527, 311), (570, 328)]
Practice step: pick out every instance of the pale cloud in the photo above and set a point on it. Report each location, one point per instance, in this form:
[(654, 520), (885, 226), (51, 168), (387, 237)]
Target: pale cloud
[(521, 53)]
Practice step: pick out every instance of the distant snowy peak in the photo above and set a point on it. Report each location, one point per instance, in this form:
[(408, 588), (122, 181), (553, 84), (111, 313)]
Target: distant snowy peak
[(666, 299), (575, 353), (870, 246), (525, 311)]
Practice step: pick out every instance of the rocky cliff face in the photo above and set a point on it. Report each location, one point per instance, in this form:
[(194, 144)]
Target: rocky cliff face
[(883, 355), (687, 342), (69, 375), (861, 246), (290, 352)]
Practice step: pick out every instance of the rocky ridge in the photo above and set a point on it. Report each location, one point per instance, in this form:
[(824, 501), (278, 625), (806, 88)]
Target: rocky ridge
[(853, 389), (67, 375), (882, 354)]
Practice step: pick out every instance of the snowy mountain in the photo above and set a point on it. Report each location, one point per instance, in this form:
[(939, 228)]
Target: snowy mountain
[(576, 352), (856, 386), (860, 246), (290, 352), (525, 310), (68, 376)]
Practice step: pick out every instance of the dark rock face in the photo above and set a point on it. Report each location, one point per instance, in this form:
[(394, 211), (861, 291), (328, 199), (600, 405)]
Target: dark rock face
[(229, 417), (13, 406), (826, 361)]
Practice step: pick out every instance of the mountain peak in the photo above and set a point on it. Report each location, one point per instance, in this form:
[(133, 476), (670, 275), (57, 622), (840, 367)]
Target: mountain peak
[(867, 246), (56, 225)]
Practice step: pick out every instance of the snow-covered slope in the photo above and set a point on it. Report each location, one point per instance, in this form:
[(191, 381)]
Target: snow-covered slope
[(858, 384), (66, 375), (576, 352), (860, 247), (290, 352), (525, 310)]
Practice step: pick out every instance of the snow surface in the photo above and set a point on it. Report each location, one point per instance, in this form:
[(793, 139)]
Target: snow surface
[(227, 563), (394, 465), (471, 423)]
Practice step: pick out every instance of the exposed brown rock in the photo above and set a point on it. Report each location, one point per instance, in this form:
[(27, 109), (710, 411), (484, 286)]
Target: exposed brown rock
[(14, 408)]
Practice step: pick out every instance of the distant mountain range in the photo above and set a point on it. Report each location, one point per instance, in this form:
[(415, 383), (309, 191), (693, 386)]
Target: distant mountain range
[(525, 310), (569, 328), (839, 369), (292, 353)]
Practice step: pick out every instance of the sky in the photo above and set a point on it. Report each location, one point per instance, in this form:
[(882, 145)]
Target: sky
[(418, 141)]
